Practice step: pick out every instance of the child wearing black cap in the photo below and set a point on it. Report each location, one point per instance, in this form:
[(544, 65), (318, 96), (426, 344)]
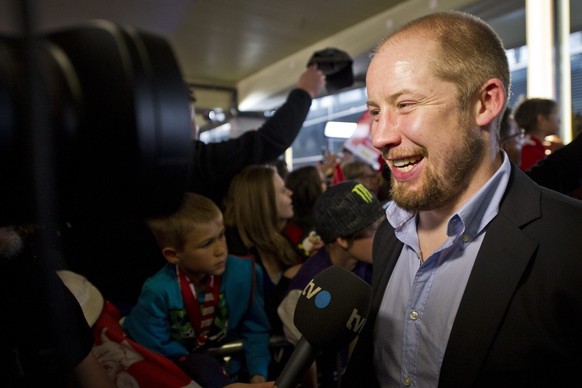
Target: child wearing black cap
[(346, 217)]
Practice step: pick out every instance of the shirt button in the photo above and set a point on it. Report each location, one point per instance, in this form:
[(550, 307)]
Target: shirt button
[(413, 315), (407, 381)]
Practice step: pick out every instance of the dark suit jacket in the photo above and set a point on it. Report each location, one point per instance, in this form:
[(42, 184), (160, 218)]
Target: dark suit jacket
[(561, 170), (519, 320)]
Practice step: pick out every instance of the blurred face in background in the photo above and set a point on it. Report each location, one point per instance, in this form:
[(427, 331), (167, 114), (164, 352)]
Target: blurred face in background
[(513, 141), (550, 123), (363, 173), (360, 244), (371, 180), (283, 195)]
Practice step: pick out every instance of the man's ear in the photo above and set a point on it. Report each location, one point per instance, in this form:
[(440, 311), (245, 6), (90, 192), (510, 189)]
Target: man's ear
[(171, 255), (491, 102)]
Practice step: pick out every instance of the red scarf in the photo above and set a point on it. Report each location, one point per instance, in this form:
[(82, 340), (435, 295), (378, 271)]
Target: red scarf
[(201, 316)]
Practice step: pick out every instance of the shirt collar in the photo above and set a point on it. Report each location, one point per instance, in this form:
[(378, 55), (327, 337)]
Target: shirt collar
[(469, 220)]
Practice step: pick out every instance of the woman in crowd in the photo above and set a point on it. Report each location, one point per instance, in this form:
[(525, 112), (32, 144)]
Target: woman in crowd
[(539, 118), (256, 210), (307, 183)]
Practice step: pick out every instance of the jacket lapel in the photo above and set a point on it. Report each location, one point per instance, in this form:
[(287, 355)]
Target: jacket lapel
[(361, 370), (387, 249), (499, 266)]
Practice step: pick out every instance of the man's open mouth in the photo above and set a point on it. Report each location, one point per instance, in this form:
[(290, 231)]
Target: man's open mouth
[(406, 164)]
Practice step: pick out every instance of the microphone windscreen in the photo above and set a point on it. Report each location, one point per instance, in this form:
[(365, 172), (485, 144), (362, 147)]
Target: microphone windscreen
[(333, 308)]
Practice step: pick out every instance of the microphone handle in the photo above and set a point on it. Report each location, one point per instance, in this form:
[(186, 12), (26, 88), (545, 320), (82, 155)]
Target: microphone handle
[(299, 362)]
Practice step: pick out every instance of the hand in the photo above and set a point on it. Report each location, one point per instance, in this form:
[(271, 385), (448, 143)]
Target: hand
[(312, 81), (257, 379), (316, 243), (312, 243), (327, 165), (114, 355)]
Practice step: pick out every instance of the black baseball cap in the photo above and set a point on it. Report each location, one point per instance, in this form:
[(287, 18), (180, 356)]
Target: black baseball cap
[(344, 209), (336, 65)]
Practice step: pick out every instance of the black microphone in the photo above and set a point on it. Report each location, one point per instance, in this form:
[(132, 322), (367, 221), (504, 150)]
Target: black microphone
[(330, 313)]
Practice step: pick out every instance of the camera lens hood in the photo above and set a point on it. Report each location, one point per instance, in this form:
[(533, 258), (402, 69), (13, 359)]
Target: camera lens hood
[(113, 112)]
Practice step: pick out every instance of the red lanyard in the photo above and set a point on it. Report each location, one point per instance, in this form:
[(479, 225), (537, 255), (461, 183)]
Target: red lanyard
[(193, 307)]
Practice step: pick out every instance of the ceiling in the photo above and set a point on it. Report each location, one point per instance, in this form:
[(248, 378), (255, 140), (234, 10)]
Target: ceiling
[(247, 54)]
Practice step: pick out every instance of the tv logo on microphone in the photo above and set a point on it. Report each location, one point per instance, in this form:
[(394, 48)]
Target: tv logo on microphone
[(323, 299), (356, 322)]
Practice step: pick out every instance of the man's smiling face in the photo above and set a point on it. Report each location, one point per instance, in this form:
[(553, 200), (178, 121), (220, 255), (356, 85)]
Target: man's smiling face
[(431, 147)]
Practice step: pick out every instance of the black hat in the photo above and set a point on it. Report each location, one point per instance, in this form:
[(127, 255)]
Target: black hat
[(336, 65), (344, 209)]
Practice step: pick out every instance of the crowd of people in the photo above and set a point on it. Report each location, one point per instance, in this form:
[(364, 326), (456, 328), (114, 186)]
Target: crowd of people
[(467, 235)]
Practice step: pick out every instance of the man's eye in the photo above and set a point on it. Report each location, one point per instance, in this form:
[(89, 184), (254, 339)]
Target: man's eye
[(405, 104)]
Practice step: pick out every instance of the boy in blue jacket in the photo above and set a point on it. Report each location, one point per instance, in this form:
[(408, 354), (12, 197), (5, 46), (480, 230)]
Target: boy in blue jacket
[(203, 297)]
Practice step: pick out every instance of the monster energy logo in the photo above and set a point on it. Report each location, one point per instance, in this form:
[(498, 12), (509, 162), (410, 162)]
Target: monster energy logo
[(363, 192)]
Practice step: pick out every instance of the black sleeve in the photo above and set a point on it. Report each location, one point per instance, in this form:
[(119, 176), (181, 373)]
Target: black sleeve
[(71, 325), (44, 334), (562, 170), (216, 164)]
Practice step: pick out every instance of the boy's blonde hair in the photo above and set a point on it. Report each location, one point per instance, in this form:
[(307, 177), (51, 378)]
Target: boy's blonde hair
[(195, 210)]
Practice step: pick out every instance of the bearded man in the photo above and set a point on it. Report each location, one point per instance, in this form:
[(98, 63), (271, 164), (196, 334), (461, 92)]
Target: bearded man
[(477, 270)]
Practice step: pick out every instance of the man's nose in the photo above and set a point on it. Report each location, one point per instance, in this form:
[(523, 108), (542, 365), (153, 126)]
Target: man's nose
[(385, 131)]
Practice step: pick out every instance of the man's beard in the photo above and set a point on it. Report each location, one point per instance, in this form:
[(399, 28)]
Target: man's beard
[(440, 187), (11, 244)]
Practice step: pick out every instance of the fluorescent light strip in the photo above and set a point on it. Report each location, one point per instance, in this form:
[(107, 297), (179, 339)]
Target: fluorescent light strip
[(339, 129)]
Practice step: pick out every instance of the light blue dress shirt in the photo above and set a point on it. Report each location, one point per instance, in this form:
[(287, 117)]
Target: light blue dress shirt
[(421, 301)]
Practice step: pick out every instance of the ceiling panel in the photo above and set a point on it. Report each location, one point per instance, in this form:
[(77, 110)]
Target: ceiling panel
[(259, 45)]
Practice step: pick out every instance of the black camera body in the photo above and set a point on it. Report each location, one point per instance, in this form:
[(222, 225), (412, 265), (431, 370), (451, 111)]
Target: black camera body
[(94, 123)]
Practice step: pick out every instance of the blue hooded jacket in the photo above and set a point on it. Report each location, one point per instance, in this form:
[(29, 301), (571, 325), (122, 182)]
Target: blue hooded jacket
[(149, 322)]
